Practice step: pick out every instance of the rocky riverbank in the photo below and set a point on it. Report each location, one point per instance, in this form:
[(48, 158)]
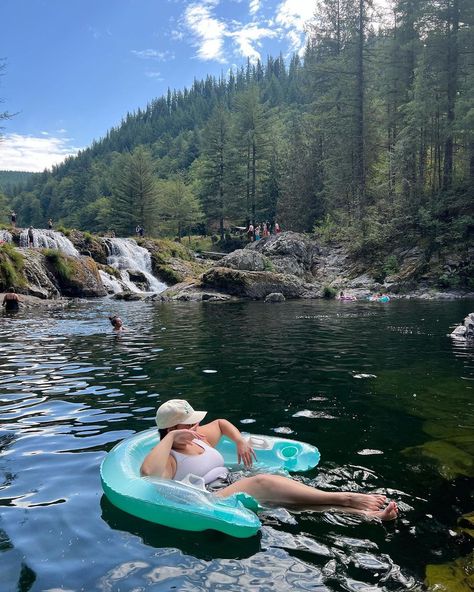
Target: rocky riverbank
[(288, 265)]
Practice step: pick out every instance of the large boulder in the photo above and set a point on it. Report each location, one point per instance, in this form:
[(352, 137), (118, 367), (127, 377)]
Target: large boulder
[(466, 329), (40, 282), (247, 260), (89, 245), (75, 276), (289, 253), (275, 297), (191, 291), (253, 284)]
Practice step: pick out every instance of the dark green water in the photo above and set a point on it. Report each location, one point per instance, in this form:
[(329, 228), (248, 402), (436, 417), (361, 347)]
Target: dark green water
[(69, 390)]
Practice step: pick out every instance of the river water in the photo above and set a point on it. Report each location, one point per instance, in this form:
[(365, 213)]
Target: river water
[(380, 389)]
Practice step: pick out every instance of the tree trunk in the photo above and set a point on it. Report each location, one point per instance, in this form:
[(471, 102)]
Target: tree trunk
[(360, 123), (452, 26)]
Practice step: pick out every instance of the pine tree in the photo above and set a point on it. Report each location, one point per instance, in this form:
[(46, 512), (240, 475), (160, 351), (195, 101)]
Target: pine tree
[(135, 193), (254, 131)]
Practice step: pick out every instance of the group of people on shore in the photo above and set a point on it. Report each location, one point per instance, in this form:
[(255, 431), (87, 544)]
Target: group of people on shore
[(13, 221), (262, 230)]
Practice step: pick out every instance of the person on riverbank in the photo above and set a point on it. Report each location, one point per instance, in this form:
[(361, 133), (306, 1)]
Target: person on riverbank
[(13, 219), (277, 228), (50, 224), (11, 301), (31, 237), (117, 323), (186, 447), (250, 232)]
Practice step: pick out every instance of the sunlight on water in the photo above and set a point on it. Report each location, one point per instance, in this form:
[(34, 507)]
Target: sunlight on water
[(383, 392)]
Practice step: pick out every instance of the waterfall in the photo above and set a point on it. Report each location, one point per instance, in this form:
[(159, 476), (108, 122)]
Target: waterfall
[(49, 239), (5, 236), (111, 284), (129, 258)]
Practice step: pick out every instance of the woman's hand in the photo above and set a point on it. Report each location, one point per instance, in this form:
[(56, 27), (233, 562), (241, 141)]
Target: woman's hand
[(183, 437), (245, 453)]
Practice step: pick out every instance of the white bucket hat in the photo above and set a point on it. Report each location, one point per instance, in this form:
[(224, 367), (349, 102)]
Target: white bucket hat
[(177, 411)]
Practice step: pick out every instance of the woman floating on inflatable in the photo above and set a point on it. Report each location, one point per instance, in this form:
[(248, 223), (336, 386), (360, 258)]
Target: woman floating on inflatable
[(186, 447), (379, 298), (343, 296)]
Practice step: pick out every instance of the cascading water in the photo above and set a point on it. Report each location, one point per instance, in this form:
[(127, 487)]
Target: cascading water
[(128, 257), (5, 236), (49, 239), (111, 284)]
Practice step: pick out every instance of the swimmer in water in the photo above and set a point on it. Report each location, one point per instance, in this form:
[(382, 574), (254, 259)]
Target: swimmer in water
[(117, 323), (11, 301)]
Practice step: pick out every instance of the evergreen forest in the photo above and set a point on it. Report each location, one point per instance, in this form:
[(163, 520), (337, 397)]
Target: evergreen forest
[(367, 136)]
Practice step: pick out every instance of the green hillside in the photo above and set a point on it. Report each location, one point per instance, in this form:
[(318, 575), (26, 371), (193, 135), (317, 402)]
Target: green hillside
[(10, 181), (368, 137)]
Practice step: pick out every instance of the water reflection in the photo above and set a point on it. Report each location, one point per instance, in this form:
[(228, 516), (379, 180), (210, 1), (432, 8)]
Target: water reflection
[(341, 377)]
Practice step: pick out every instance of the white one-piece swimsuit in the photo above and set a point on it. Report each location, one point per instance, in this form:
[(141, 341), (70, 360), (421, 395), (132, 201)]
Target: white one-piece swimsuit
[(209, 464)]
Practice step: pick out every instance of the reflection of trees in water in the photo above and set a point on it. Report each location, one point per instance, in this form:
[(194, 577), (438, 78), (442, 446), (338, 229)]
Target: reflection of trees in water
[(15, 574)]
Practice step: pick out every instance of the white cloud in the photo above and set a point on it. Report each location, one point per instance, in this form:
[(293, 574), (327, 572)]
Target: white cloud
[(153, 74), (153, 54), (292, 16), (254, 6), (208, 30), (30, 153), (249, 36), (218, 38)]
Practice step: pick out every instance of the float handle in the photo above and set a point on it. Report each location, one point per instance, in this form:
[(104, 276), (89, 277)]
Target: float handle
[(259, 443)]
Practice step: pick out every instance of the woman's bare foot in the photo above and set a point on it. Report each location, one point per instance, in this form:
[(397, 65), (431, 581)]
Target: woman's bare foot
[(366, 501), (388, 513)]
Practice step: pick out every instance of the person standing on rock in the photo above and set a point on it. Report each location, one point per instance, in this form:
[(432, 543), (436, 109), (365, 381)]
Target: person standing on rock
[(11, 301), (250, 232), (31, 237), (277, 228), (13, 219), (50, 224)]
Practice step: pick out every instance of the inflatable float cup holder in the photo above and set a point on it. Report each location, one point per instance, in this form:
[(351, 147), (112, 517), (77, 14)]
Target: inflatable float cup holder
[(289, 454)]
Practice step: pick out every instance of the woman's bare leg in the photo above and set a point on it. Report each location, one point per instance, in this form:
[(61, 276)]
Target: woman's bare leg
[(276, 489)]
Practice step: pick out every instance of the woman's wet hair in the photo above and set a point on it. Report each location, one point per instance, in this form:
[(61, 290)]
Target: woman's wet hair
[(11, 289), (163, 433), (113, 319)]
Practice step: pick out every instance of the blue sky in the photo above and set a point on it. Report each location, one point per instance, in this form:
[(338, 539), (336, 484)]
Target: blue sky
[(73, 68)]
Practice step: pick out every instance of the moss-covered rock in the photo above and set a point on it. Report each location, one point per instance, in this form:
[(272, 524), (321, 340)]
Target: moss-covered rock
[(252, 284), (89, 245), (74, 276), (172, 262), (457, 576), (466, 524), (451, 461)]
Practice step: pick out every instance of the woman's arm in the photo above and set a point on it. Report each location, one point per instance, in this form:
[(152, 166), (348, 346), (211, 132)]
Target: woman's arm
[(221, 427), (159, 462)]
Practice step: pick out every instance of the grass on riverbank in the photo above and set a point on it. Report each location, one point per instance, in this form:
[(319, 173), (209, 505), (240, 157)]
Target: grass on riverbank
[(59, 264), (11, 267)]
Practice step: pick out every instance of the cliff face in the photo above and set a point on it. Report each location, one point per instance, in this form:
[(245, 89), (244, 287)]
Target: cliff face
[(47, 274)]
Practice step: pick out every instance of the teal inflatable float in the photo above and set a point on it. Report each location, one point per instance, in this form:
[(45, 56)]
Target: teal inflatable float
[(379, 298), (188, 506)]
